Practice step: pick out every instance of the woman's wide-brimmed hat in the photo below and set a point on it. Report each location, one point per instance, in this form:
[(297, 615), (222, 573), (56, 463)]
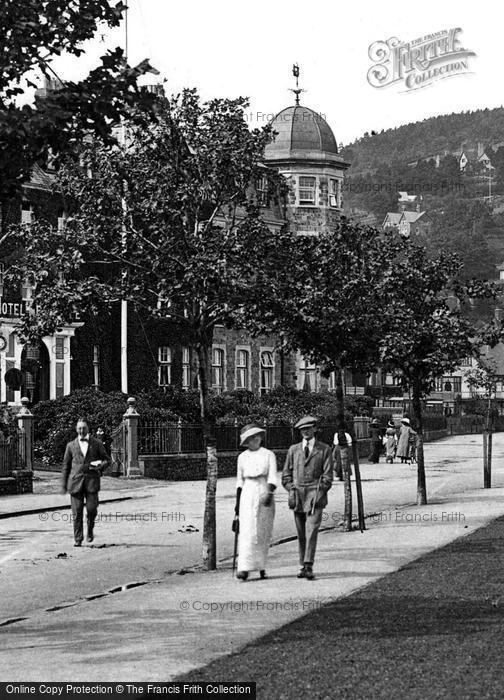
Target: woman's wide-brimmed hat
[(406, 421), (249, 431), (391, 424)]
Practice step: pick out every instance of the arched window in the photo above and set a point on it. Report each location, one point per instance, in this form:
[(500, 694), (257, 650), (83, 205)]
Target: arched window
[(10, 363)]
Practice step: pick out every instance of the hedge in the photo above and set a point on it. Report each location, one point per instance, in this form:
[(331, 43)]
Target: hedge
[(55, 420)]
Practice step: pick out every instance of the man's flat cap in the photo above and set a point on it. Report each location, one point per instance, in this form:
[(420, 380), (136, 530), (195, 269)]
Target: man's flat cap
[(306, 421)]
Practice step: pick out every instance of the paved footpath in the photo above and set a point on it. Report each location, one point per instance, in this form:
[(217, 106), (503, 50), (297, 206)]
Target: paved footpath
[(433, 629), (351, 633), (154, 529)]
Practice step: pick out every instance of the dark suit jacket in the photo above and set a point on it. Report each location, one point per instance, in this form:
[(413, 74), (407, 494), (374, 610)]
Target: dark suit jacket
[(305, 474), (77, 471)]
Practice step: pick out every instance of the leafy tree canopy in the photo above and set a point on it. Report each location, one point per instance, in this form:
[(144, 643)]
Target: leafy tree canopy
[(174, 207), (35, 32)]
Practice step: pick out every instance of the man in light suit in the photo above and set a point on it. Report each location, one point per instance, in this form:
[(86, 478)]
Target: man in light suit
[(307, 475), (85, 459)]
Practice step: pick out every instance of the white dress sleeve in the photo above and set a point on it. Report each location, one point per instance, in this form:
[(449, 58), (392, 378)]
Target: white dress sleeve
[(348, 439), (239, 472), (272, 468)]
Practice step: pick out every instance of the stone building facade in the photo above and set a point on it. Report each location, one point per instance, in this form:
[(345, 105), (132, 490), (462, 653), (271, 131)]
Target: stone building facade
[(88, 352)]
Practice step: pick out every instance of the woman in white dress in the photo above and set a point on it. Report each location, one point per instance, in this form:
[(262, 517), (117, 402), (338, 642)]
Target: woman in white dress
[(255, 484)]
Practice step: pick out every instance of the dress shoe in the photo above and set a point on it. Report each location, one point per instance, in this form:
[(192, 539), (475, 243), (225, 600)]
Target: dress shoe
[(77, 543), (242, 575), (302, 573), (309, 574), (90, 537), (262, 574)]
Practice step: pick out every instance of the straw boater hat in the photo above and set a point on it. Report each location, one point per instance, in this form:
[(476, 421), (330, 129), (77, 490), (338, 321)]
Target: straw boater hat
[(305, 422), (375, 421), (249, 431), (406, 421)]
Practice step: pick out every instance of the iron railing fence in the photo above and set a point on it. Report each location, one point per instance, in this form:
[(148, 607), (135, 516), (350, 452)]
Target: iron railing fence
[(118, 448), (11, 449), (184, 438)]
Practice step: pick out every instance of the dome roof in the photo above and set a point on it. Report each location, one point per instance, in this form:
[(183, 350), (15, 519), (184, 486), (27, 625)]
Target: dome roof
[(302, 134)]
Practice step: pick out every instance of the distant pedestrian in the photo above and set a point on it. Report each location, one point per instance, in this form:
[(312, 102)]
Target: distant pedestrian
[(375, 433), (85, 459), (342, 444), (390, 442), (404, 442), (307, 476), (256, 481)]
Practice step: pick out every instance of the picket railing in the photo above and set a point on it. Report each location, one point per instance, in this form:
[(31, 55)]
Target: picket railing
[(11, 450), (187, 438)]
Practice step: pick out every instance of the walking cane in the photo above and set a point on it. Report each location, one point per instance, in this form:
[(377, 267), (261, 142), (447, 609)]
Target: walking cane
[(236, 529)]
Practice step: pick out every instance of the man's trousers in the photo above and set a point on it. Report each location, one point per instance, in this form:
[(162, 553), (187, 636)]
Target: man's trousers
[(77, 501), (307, 529)]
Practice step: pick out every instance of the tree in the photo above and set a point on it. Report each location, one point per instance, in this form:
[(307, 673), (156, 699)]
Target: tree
[(36, 32), (430, 334), (336, 313), (483, 379), (169, 221)]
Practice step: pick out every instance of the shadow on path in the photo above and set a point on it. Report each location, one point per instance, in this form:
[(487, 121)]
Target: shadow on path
[(433, 629)]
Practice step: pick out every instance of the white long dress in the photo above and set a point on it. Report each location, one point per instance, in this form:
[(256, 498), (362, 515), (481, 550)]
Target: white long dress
[(256, 469)]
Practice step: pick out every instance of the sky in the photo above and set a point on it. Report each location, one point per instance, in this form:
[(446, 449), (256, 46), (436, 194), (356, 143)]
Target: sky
[(226, 48)]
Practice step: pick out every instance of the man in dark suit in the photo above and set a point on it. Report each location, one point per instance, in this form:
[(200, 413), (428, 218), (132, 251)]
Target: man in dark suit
[(85, 459), (307, 475)]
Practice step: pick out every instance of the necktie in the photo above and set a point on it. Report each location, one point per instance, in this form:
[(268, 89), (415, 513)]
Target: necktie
[(307, 450), (84, 439)]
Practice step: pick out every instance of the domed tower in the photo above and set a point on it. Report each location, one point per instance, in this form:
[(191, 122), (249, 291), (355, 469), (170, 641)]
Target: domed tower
[(304, 150)]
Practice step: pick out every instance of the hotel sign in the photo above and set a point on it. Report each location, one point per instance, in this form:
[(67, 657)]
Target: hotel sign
[(12, 309)]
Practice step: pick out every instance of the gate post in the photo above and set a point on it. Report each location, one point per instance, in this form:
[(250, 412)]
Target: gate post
[(131, 424), (25, 445)]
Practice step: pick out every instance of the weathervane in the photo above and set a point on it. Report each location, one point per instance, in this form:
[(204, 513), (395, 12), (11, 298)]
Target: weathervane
[(297, 90)]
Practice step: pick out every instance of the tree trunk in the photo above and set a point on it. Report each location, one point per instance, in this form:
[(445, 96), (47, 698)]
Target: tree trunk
[(487, 449), (417, 410), (209, 517), (340, 398), (340, 422), (358, 485)]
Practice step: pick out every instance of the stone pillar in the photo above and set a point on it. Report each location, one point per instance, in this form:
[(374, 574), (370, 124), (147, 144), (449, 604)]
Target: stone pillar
[(25, 423), (131, 424)]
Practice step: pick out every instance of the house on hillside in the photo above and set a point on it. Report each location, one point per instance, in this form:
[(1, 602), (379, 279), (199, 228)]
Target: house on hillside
[(409, 219), (391, 219), (473, 158), (408, 202), (414, 222)]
